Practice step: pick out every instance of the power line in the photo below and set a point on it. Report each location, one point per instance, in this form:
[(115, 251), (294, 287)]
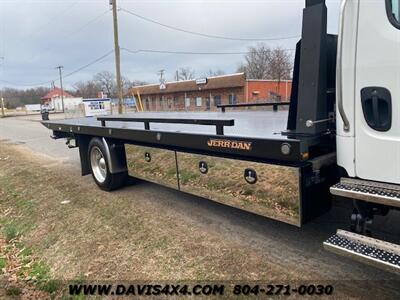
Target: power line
[(89, 64), (180, 52), (205, 34), (88, 23), (56, 17), (65, 76), (132, 52), (129, 51), (96, 18), (77, 30), (188, 52)]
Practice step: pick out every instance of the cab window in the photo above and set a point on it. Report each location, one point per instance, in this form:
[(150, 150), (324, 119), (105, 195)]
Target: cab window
[(393, 10)]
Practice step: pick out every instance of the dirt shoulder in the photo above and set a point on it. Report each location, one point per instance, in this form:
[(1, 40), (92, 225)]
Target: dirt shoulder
[(79, 231)]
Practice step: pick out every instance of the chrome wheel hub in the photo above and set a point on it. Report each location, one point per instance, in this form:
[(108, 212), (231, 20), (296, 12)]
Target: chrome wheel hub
[(98, 164)]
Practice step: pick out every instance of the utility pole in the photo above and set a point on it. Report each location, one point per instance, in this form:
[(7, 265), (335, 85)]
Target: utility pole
[(117, 56), (1, 93), (61, 86), (2, 103), (161, 73)]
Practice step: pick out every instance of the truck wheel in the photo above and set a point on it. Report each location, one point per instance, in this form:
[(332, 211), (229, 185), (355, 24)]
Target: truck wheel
[(99, 166)]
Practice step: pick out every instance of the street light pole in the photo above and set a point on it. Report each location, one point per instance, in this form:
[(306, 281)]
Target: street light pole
[(61, 86), (117, 56)]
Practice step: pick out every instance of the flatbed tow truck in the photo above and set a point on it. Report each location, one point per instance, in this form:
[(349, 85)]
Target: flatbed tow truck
[(340, 136)]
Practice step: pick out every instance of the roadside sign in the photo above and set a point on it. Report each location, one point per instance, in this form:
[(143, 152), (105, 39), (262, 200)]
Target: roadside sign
[(97, 107), (201, 81)]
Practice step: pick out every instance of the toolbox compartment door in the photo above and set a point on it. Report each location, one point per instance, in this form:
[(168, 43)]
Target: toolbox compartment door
[(265, 189), (152, 164), (293, 195)]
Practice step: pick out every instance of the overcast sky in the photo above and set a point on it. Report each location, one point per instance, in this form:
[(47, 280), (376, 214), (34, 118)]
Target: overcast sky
[(36, 36)]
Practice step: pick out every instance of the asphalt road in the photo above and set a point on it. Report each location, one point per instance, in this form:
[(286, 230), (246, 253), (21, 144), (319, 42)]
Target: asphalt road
[(29, 131), (286, 244)]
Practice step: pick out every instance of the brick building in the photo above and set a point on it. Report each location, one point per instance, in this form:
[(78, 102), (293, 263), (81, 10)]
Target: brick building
[(207, 93), (53, 100)]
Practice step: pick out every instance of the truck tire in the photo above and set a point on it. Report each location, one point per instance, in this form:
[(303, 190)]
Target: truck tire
[(99, 166)]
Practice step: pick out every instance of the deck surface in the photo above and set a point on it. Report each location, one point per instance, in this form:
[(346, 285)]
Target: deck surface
[(256, 124)]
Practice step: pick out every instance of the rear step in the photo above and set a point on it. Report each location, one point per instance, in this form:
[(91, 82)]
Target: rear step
[(370, 191), (374, 252)]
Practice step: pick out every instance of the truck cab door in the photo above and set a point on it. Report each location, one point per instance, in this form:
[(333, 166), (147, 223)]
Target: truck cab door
[(377, 96)]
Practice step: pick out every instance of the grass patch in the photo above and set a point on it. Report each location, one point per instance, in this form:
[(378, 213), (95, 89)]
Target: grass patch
[(13, 291), (25, 255), (15, 194), (80, 279), (26, 205), (40, 271), (11, 231), (25, 252), (50, 286), (3, 264), (158, 244)]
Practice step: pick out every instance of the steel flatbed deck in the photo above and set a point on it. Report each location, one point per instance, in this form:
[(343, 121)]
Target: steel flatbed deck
[(247, 134)]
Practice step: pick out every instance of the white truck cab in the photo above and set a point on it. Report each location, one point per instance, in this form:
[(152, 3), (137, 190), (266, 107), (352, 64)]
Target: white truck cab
[(368, 125), (368, 90)]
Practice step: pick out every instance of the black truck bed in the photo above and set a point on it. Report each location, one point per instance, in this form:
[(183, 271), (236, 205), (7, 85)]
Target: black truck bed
[(255, 134), (249, 124)]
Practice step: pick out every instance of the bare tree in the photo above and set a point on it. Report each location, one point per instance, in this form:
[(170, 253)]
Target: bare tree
[(280, 66), (86, 89), (106, 80), (16, 97), (126, 84), (242, 69), (212, 73), (262, 62), (257, 62), (185, 74)]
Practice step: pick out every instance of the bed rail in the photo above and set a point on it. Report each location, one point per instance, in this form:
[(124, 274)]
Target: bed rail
[(250, 104), (219, 123)]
